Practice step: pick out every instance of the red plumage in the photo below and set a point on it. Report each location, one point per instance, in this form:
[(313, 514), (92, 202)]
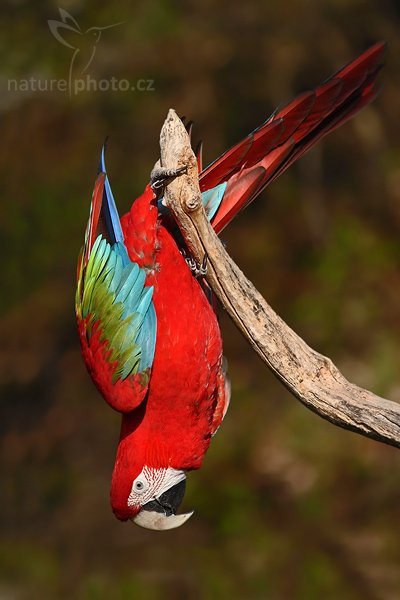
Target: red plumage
[(177, 420), (171, 411), (290, 132)]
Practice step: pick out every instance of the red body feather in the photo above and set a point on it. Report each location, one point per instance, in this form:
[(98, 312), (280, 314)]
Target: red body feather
[(173, 426)]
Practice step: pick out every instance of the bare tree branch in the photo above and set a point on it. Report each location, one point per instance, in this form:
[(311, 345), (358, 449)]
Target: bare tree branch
[(311, 377)]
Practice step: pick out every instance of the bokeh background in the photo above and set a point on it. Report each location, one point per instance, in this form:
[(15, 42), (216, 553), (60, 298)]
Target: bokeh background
[(287, 505)]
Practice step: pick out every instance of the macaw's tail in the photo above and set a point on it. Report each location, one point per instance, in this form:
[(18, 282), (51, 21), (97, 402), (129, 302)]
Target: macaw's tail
[(234, 179)]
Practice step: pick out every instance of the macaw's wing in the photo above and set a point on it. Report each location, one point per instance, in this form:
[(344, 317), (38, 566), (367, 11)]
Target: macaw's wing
[(238, 176), (114, 308)]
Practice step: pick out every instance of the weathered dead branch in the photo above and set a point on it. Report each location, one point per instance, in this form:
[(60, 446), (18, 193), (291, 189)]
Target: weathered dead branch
[(311, 377)]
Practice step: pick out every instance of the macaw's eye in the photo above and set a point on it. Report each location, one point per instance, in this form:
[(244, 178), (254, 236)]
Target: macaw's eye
[(140, 485)]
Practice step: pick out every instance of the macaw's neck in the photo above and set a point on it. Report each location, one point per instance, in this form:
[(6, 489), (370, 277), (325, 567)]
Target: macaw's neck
[(130, 459), (148, 439), (141, 443)]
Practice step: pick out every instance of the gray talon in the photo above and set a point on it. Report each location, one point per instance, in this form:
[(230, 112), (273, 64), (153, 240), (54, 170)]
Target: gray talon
[(203, 266), (160, 175), (198, 270)]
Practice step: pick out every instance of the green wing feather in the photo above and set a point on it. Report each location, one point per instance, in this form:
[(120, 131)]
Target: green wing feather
[(111, 292)]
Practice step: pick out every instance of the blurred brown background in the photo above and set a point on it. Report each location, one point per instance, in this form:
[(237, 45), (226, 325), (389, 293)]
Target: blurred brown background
[(287, 506)]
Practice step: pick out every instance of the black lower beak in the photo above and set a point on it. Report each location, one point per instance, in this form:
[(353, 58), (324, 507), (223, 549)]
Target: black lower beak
[(169, 502)]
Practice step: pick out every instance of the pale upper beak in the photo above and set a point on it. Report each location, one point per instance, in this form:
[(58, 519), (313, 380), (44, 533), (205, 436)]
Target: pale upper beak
[(160, 514)]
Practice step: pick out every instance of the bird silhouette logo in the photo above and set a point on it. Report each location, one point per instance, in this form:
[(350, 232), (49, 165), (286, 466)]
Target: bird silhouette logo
[(83, 43)]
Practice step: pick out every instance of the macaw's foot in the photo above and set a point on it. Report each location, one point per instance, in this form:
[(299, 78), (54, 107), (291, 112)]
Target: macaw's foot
[(198, 270), (160, 176)]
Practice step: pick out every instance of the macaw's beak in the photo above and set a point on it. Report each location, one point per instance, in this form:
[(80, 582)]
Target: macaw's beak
[(160, 514)]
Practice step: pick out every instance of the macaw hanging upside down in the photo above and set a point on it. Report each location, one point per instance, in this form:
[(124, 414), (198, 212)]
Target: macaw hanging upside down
[(149, 334)]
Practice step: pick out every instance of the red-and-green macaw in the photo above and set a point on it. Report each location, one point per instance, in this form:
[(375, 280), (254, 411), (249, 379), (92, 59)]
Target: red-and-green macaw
[(149, 334)]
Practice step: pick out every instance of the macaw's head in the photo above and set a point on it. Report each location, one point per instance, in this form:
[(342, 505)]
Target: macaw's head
[(150, 497)]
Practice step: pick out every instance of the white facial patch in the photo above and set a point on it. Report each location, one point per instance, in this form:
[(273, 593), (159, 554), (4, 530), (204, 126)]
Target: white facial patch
[(152, 483)]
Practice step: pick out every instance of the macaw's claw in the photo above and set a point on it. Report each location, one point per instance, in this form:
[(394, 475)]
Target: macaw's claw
[(198, 270), (160, 175)]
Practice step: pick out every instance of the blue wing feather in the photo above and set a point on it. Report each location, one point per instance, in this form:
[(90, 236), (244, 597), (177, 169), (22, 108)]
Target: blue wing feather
[(127, 284), (211, 199), (109, 209), (113, 291), (147, 338)]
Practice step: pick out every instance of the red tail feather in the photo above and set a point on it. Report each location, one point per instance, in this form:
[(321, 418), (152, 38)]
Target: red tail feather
[(249, 166)]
